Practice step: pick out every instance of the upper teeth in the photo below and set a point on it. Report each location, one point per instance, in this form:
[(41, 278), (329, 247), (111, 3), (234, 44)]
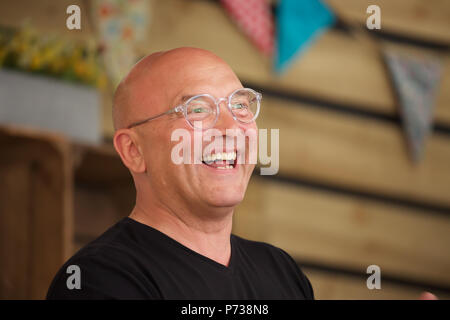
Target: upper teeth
[(220, 156)]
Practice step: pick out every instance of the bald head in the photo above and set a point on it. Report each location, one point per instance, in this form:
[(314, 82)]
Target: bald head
[(156, 79)]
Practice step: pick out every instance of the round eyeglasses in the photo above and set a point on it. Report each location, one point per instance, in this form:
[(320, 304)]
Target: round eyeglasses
[(202, 111)]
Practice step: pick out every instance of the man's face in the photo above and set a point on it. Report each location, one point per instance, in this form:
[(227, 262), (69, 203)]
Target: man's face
[(198, 185)]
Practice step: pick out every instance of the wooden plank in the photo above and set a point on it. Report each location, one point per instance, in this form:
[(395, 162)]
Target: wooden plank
[(52, 216), (50, 229), (335, 286), (425, 19), (46, 15), (347, 232), (99, 165), (337, 67), (104, 191), (95, 212), (357, 153), (14, 229)]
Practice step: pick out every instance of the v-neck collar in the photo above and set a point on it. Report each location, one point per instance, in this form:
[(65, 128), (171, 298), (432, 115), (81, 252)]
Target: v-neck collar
[(177, 244)]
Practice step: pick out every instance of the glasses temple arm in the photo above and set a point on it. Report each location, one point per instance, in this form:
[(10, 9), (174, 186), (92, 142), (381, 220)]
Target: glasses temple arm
[(138, 123)]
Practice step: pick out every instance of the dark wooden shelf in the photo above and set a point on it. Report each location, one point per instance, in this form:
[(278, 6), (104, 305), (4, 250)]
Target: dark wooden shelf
[(55, 196)]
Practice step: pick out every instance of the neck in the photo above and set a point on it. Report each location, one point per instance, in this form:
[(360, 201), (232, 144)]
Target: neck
[(207, 236)]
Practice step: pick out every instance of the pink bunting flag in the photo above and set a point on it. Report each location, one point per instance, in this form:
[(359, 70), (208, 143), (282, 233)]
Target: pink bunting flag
[(255, 19)]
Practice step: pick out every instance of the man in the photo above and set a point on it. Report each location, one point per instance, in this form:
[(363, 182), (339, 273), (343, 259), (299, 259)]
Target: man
[(177, 241)]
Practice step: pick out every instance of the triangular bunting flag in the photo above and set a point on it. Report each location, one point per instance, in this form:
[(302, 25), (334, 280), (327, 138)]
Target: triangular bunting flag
[(255, 19), (121, 26), (415, 79), (298, 23)]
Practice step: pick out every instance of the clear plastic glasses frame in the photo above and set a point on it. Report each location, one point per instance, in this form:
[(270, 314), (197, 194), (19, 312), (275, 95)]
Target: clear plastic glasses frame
[(183, 108)]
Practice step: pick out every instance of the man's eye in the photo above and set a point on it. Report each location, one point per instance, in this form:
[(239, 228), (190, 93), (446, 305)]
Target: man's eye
[(239, 106), (199, 110)]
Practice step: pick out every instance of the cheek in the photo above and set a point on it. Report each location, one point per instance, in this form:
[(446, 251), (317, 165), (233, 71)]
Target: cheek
[(179, 142), (156, 149)]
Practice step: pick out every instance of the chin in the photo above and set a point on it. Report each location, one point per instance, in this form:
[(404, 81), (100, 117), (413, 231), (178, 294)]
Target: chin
[(227, 198)]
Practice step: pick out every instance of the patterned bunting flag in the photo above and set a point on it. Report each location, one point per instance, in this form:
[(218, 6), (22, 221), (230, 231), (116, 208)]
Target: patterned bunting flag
[(416, 79), (121, 26), (255, 19)]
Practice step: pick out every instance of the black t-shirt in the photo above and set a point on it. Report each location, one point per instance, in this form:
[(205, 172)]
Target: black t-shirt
[(134, 261)]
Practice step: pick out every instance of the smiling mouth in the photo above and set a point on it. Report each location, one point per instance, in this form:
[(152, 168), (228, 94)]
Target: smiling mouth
[(220, 160)]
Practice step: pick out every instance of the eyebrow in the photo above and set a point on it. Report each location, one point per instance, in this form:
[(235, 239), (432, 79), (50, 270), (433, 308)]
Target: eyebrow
[(185, 98)]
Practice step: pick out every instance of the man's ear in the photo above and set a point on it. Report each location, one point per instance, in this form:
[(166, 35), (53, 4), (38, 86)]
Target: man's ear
[(125, 142)]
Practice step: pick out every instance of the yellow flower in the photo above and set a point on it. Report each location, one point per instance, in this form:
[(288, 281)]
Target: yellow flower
[(57, 65), (36, 62), (80, 68)]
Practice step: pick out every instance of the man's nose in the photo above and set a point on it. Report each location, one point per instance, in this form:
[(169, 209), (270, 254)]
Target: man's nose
[(225, 120)]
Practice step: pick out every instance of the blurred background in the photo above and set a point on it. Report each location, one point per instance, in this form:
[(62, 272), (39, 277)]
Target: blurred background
[(364, 120)]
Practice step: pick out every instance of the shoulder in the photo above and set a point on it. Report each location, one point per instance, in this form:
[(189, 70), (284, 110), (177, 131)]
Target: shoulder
[(106, 268), (277, 259)]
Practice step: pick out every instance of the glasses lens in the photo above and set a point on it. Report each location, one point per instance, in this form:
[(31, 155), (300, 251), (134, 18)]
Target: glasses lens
[(245, 105), (201, 110)]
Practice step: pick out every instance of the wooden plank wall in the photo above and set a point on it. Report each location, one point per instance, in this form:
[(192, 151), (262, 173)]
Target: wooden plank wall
[(347, 194), (346, 232)]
